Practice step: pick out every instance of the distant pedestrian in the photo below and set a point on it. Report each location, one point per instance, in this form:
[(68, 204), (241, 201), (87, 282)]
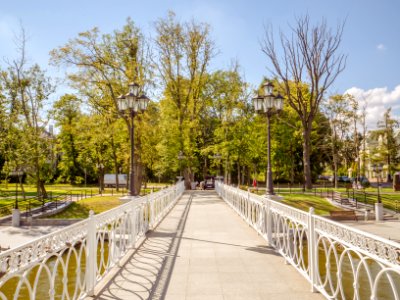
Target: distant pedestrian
[(202, 185), (254, 183)]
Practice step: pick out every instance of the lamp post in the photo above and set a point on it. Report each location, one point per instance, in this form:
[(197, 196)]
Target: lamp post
[(132, 104), (377, 169), (268, 104)]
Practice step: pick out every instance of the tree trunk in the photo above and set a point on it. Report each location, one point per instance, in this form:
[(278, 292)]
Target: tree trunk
[(335, 169), (248, 177), (205, 168), (238, 174), (188, 178), (116, 177), (43, 191), (226, 172), (306, 158), (243, 174), (115, 161), (22, 188)]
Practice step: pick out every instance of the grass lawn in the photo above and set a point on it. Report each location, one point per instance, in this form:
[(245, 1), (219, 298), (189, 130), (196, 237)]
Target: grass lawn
[(7, 192), (80, 209), (304, 202)]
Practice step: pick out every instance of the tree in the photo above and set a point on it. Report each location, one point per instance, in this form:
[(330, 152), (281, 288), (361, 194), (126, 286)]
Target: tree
[(67, 113), (184, 53), (104, 64), (390, 144), (309, 66), (337, 112), (28, 89)]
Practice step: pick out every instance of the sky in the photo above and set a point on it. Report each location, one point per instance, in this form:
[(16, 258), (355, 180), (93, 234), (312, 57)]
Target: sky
[(370, 39)]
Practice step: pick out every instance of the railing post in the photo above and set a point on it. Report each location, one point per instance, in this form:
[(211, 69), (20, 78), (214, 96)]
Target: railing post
[(152, 218), (269, 222), (133, 225), (249, 211), (91, 255), (312, 257)]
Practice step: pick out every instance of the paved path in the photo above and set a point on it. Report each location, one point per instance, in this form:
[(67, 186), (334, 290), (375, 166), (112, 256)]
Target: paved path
[(16, 236), (203, 250), (389, 229)]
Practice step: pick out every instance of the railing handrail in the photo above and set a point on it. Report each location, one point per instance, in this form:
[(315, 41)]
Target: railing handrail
[(57, 232), (333, 223), (303, 238), (108, 235), (380, 239)]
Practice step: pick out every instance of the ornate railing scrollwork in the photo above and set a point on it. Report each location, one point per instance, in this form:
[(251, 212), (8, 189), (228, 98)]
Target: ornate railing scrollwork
[(339, 261), (68, 263)]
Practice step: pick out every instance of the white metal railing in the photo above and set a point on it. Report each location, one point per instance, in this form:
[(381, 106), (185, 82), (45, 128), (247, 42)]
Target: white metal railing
[(67, 264), (339, 262)]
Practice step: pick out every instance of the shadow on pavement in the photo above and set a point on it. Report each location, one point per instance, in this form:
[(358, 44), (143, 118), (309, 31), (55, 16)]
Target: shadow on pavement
[(147, 272)]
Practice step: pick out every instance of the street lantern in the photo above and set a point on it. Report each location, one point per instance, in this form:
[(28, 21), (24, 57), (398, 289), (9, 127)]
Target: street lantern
[(132, 103), (268, 104)]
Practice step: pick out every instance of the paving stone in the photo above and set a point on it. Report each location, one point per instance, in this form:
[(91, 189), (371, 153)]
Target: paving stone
[(212, 254)]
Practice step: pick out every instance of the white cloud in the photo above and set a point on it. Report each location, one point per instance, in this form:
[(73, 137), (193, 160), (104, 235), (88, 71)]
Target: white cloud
[(377, 100), (381, 47)]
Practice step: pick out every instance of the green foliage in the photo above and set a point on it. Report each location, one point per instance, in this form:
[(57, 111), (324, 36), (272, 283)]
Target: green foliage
[(387, 149), (67, 113), (205, 116), (80, 209), (184, 51), (26, 144)]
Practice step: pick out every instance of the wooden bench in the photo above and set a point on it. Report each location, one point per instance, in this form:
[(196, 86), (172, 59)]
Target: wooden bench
[(343, 215)]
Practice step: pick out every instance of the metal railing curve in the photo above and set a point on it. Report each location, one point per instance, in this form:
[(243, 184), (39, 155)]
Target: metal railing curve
[(68, 264), (340, 262)]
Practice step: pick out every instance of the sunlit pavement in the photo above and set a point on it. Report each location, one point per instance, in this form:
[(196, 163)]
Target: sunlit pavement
[(17, 236), (203, 250)]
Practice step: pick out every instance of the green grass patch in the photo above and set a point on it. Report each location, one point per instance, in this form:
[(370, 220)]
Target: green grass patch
[(8, 190), (304, 202), (80, 209)]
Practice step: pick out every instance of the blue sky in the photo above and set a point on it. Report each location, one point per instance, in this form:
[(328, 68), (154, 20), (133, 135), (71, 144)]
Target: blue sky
[(371, 36)]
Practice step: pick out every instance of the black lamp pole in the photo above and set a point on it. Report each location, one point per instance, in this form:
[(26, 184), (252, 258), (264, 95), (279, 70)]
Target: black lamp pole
[(132, 103), (269, 182), (132, 190), (268, 104)]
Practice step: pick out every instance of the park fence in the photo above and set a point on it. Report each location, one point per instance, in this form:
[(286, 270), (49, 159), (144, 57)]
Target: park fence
[(339, 262), (69, 263)]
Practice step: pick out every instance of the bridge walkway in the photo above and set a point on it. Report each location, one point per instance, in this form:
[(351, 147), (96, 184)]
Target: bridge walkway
[(203, 250)]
